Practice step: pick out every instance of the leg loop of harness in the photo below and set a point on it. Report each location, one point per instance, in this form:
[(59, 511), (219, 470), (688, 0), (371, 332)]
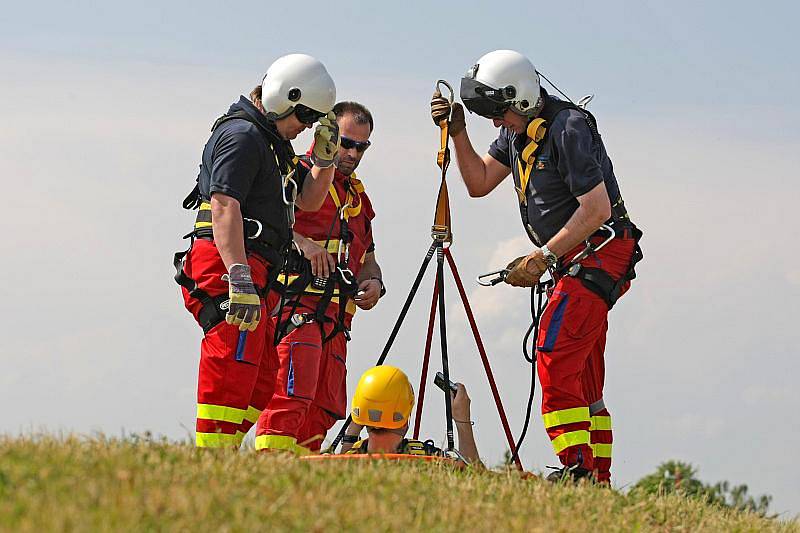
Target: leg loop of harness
[(601, 282)]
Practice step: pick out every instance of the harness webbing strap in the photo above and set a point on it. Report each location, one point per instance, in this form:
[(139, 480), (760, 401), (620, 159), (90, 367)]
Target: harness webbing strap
[(536, 131), (440, 231), (353, 185)]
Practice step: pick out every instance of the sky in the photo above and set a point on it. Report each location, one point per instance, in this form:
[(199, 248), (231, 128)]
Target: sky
[(106, 107)]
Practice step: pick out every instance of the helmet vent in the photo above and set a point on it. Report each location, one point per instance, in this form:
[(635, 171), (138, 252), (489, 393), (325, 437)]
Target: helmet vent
[(294, 94), (375, 415), (397, 417)]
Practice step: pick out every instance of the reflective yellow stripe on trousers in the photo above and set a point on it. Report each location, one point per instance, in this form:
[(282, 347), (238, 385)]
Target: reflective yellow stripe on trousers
[(572, 438), (222, 413), (601, 450), (280, 442), (565, 416), (219, 440), (601, 423)]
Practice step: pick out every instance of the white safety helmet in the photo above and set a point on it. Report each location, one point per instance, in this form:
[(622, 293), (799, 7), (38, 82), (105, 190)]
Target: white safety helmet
[(501, 80), (298, 82)]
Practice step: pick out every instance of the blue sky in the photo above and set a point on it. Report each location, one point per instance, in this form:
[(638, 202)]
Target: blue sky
[(106, 107)]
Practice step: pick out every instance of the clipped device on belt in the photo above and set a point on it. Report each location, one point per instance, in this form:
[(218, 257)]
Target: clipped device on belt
[(319, 283), (439, 382)]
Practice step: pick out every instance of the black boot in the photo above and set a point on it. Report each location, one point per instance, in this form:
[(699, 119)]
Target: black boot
[(572, 474)]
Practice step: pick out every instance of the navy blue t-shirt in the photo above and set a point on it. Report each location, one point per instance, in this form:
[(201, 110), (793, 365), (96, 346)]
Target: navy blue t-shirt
[(239, 161), (566, 166)]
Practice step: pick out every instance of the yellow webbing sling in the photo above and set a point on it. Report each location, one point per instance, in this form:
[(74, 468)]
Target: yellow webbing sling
[(440, 231), (536, 130)]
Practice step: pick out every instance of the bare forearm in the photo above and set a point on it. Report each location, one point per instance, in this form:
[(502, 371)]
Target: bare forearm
[(353, 430), (593, 211), (226, 217), (470, 164), (315, 189), (466, 443), (370, 269)]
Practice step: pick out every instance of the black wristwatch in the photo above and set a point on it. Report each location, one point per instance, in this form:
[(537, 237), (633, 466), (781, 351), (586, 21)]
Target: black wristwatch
[(383, 287)]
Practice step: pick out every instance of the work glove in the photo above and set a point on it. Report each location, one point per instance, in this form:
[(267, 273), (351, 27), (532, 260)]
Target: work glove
[(441, 109), (326, 141), (525, 271), (244, 309)]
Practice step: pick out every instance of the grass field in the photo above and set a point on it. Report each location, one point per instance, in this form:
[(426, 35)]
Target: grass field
[(81, 484)]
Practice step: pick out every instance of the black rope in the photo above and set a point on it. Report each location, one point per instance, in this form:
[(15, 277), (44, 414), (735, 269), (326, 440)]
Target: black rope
[(395, 330), (537, 307), (556, 88)]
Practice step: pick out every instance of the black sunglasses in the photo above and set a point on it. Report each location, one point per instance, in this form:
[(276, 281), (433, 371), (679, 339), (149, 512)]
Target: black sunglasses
[(306, 115), (360, 146)]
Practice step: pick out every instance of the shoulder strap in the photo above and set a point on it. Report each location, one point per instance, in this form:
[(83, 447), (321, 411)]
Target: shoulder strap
[(554, 106), (283, 149)]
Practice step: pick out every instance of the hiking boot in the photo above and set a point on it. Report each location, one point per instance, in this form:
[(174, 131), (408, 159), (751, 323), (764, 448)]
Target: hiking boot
[(572, 474)]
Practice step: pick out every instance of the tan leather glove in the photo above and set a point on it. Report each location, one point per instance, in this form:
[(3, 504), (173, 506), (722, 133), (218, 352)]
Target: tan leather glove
[(326, 141), (526, 271), (441, 109)]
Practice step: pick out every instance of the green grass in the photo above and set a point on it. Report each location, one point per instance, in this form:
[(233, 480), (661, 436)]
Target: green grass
[(82, 484)]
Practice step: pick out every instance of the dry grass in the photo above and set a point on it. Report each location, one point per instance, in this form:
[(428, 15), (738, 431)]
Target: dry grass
[(73, 484)]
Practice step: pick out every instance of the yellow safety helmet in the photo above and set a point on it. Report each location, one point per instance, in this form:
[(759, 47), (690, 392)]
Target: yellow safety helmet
[(383, 398)]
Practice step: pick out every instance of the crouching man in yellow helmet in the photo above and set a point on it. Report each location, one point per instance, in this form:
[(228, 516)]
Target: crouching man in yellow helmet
[(382, 403)]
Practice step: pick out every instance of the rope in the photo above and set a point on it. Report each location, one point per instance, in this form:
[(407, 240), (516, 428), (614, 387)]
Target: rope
[(536, 314)]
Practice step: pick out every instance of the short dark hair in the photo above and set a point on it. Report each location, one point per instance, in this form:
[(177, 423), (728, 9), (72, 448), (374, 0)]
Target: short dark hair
[(360, 113), (255, 94)]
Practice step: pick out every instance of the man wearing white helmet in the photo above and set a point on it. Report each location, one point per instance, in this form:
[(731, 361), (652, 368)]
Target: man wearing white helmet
[(243, 235), (566, 190)]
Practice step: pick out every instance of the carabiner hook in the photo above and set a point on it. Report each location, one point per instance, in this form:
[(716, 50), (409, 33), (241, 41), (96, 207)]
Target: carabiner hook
[(500, 276), (451, 99)]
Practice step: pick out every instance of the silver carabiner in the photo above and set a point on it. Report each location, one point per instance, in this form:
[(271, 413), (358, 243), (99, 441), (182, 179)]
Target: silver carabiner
[(583, 102), (289, 203), (590, 248), (258, 225), (452, 97), (500, 276)]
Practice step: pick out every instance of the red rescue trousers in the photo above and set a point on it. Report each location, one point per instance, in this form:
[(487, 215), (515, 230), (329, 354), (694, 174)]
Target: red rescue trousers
[(311, 390), (230, 394), (571, 365)]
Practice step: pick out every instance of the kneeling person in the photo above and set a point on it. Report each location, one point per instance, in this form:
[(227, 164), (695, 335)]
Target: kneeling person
[(382, 403)]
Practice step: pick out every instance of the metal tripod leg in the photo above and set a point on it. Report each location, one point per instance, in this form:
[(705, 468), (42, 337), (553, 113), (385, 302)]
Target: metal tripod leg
[(423, 380), (448, 399), (484, 359)]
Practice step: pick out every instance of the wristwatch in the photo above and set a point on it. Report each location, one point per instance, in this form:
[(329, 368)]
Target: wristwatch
[(549, 257)]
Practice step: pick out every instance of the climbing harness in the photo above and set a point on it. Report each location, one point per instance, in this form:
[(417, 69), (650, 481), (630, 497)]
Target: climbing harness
[(442, 238), (594, 279), (271, 239), (342, 284)]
